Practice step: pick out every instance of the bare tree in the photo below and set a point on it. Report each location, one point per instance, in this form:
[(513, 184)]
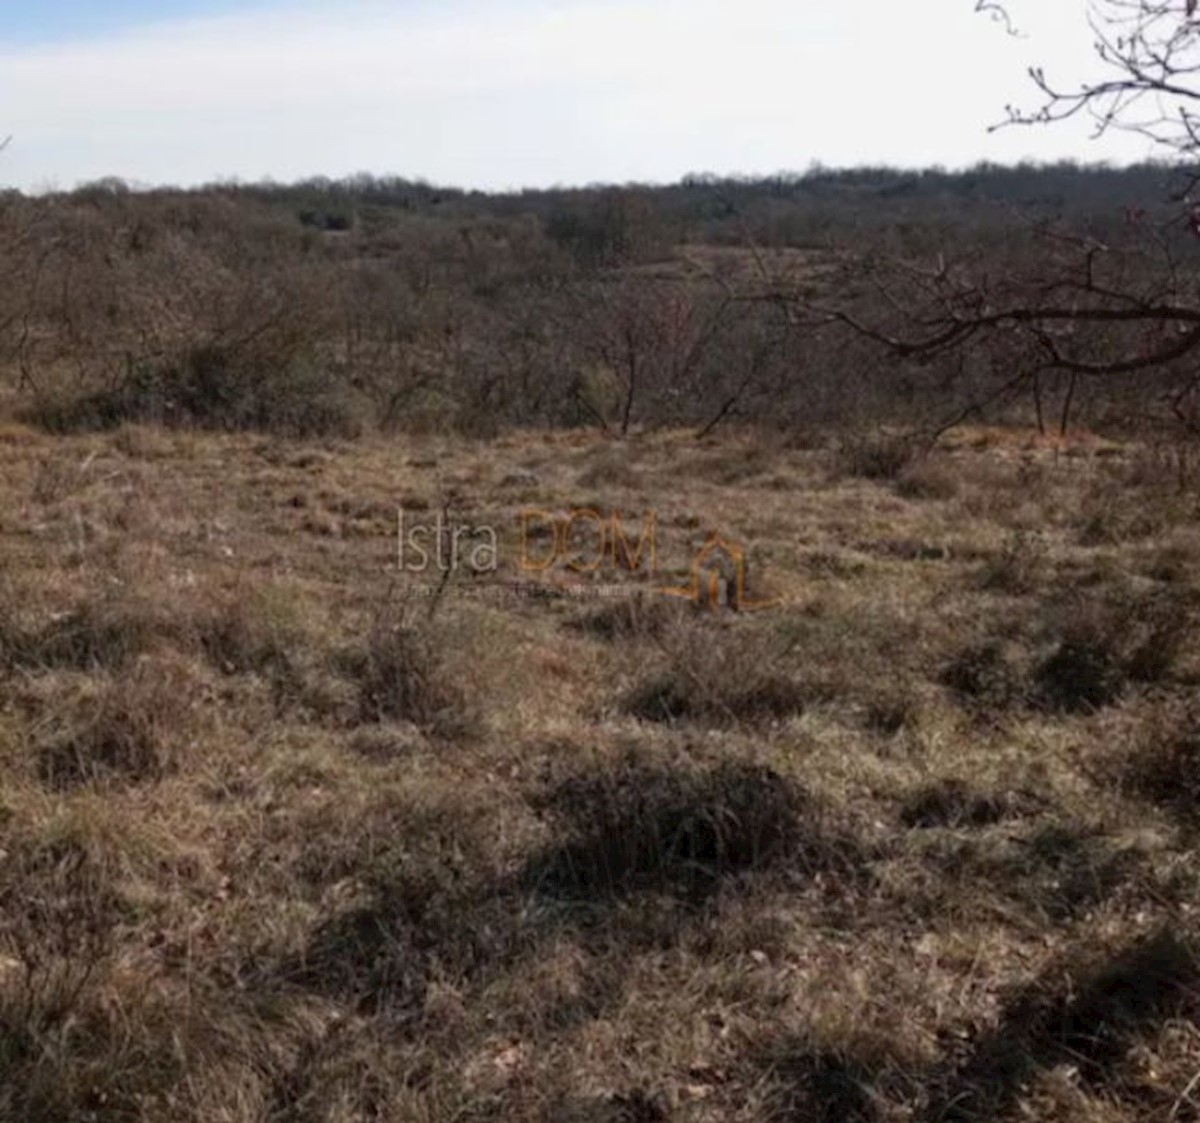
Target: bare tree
[(1066, 306), (651, 342), (1149, 82)]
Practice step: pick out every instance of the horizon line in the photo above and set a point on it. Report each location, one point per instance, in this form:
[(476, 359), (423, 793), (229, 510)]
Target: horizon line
[(118, 183)]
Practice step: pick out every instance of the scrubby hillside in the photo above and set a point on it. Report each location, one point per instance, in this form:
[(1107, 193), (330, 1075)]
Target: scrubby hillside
[(341, 308)]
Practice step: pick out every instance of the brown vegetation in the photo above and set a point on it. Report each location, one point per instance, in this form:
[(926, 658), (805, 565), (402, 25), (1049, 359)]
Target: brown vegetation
[(276, 842), (329, 310)]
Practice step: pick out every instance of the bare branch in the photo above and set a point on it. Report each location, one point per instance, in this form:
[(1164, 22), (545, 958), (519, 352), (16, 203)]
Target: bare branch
[(998, 13)]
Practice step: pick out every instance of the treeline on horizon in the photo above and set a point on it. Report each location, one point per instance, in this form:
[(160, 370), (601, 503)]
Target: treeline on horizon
[(779, 208), (378, 303)]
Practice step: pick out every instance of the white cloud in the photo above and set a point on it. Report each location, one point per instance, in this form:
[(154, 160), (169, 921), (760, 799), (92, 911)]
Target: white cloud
[(533, 92)]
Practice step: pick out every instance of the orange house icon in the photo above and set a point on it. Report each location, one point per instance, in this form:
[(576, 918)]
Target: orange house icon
[(719, 579)]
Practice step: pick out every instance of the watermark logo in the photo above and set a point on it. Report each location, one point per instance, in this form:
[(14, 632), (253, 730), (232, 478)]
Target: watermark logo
[(446, 546), (585, 541), (582, 543), (718, 579)]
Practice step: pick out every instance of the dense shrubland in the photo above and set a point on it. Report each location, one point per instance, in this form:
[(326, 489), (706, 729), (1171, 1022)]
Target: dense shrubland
[(339, 307)]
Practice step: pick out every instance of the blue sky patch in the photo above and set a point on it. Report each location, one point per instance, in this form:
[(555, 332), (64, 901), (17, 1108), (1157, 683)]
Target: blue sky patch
[(56, 21)]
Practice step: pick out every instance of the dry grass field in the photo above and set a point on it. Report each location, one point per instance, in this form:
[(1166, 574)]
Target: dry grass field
[(917, 841)]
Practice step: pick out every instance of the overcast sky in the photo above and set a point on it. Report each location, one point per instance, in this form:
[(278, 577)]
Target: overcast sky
[(512, 93)]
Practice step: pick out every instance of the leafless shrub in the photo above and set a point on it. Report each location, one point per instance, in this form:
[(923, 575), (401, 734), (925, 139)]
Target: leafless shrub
[(213, 387)]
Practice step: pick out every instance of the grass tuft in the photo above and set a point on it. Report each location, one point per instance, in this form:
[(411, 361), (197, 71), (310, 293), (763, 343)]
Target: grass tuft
[(136, 728), (719, 676), (402, 675), (637, 827), (877, 456)]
